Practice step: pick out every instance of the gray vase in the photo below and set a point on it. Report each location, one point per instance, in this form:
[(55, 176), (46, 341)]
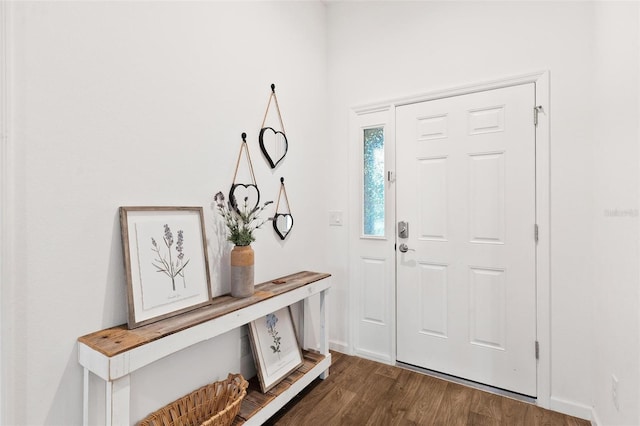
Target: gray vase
[(242, 260)]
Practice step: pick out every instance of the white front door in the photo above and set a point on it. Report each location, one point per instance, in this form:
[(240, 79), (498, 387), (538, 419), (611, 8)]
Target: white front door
[(466, 286)]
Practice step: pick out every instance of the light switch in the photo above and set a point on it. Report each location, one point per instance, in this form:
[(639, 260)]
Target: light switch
[(335, 218)]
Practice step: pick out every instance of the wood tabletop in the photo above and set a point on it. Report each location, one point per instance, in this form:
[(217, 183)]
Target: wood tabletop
[(115, 340)]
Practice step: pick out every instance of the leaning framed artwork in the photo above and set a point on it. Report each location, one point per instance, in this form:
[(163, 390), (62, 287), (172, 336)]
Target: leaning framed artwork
[(275, 347), (166, 262)]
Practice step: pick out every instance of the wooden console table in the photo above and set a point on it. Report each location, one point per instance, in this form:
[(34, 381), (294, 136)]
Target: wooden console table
[(114, 353)]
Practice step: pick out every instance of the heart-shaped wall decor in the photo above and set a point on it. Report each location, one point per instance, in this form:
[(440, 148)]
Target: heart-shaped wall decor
[(282, 223), (240, 191), (273, 144)]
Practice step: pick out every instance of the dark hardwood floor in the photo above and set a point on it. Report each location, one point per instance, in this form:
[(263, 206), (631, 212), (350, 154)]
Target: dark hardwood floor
[(362, 392)]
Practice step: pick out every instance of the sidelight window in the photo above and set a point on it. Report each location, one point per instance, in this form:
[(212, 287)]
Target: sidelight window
[(373, 182)]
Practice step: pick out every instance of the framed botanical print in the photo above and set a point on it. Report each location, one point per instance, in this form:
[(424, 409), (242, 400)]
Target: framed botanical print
[(165, 258), (275, 347)]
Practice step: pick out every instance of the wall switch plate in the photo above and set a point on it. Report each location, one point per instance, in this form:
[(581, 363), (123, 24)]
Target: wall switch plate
[(335, 218)]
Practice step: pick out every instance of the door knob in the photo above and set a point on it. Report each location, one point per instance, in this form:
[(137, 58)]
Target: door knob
[(404, 248)]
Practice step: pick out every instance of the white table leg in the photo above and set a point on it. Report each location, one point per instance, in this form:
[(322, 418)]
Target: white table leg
[(324, 328), (85, 397), (302, 318), (117, 402)]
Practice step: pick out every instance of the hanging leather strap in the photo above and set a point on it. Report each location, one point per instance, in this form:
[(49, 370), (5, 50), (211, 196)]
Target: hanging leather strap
[(275, 98), (245, 148), (283, 190)]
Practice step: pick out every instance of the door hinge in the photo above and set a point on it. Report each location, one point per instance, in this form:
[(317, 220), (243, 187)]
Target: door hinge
[(536, 111), (537, 350), (391, 176), (535, 232)]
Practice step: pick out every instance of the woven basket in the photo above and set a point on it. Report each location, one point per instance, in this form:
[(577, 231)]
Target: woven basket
[(216, 404)]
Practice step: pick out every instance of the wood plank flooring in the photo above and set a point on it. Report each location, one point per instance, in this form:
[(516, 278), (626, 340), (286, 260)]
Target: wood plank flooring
[(362, 392)]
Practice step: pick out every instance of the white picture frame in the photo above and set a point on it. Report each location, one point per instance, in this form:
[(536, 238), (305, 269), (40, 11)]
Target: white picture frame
[(275, 347), (166, 262)]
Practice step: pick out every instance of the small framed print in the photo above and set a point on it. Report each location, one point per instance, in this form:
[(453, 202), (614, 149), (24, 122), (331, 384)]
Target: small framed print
[(275, 347), (166, 263)]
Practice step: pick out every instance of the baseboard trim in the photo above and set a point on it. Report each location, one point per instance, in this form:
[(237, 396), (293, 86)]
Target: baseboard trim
[(341, 347), (571, 408), (374, 356)]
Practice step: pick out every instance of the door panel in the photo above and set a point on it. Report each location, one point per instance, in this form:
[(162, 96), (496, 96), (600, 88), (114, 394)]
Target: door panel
[(372, 237), (466, 286)]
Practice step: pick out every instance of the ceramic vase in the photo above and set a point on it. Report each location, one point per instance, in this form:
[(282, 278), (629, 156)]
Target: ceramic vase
[(242, 258)]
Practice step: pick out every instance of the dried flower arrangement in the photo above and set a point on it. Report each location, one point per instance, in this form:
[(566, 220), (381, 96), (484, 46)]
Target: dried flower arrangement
[(241, 222)]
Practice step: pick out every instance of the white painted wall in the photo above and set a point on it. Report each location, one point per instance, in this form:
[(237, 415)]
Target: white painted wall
[(385, 50), (616, 228), (143, 103)]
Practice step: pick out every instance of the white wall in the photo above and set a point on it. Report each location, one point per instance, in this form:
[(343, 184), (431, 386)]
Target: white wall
[(616, 229), (386, 50), (143, 103)]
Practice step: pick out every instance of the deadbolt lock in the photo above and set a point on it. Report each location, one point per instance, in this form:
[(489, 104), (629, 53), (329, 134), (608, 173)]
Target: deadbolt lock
[(403, 229)]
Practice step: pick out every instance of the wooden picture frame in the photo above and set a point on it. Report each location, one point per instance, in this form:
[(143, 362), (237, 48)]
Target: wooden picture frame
[(165, 260), (275, 347)]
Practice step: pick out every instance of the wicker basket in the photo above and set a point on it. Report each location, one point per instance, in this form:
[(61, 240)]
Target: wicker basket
[(216, 404)]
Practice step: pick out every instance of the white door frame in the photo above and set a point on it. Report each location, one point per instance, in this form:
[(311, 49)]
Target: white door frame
[(541, 81)]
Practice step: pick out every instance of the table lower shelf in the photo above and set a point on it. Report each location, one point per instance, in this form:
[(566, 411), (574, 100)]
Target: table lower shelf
[(257, 407)]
